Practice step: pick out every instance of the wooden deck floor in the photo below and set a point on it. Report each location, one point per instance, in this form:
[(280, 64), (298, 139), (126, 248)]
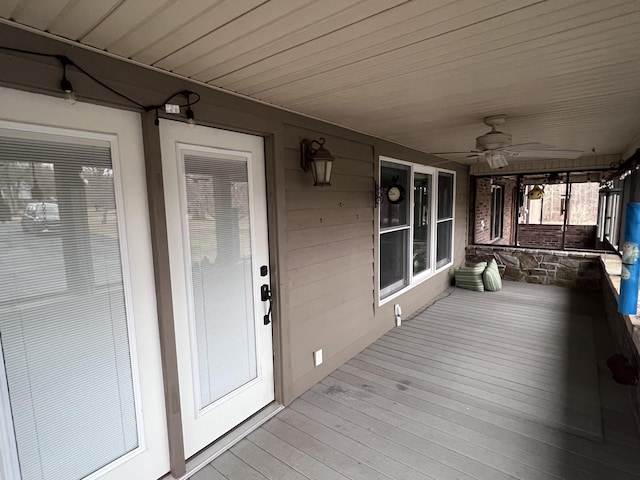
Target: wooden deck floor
[(485, 386)]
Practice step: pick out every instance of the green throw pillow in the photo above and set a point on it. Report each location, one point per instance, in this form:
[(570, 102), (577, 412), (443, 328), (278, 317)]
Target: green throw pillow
[(471, 277), (491, 277)]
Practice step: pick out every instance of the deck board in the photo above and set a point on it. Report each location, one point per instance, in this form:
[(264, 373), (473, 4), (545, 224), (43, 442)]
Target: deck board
[(479, 386)]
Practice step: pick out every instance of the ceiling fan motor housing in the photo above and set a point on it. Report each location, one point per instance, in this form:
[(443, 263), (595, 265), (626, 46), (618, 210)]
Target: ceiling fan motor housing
[(493, 140)]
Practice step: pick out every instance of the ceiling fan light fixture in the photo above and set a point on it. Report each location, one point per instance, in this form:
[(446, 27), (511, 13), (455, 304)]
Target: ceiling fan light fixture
[(496, 159)]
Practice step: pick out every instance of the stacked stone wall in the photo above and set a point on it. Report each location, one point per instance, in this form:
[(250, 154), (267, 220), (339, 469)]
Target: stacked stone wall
[(547, 267)]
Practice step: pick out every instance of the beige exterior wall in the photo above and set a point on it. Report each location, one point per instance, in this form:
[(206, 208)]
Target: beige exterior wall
[(323, 241)]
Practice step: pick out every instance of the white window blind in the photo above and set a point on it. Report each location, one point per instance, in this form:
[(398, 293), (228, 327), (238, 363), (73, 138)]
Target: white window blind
[(219, 230), (63, 320)]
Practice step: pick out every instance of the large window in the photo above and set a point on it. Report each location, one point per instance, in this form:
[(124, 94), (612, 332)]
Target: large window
[(416, 224)]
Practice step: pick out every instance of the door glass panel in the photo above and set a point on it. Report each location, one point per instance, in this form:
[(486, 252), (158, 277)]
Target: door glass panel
[(421, 222), (63, 318), (222, 305)]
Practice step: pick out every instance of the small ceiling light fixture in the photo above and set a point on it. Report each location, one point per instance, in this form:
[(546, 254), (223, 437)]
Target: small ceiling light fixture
[(65, 84), (318, 159), (495, 159)]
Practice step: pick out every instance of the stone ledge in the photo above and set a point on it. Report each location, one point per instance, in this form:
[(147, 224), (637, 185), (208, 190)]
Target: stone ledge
[(547, 267)]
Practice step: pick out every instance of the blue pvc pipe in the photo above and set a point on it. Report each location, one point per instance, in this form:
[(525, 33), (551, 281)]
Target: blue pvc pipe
[(628, 302)]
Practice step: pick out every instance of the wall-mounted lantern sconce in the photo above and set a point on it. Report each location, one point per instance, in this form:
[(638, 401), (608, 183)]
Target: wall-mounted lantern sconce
[(317, 158)]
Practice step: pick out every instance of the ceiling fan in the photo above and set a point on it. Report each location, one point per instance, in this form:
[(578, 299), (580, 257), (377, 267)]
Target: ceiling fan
[(495, 146)]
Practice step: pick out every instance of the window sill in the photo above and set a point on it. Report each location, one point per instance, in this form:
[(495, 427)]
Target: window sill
[(415, 281)]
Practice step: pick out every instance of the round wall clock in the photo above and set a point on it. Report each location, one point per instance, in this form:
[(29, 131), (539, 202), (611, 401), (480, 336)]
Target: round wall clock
[(395, 193)]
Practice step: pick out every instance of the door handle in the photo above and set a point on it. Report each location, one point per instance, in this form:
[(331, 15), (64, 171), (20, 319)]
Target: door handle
[(265, 296)]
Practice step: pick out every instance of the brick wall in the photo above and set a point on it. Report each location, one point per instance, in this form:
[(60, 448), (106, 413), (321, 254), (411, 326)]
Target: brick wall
[(550, 236), (482, 231)]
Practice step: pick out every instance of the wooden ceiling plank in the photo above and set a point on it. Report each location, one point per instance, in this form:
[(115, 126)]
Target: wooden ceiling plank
[(236, 59), (7, 8), (620, 102), (223, 13), (445, 52), (442, 139), (584, 64), (523, 93), (280, 28), (255, 19), (175, 17), (84, 15), (404, 25), (123, 19), (373, 73), (39, 14), (491, 102), (439, 47)]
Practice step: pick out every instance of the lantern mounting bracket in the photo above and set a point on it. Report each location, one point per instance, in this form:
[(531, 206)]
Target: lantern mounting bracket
[(309, 151)]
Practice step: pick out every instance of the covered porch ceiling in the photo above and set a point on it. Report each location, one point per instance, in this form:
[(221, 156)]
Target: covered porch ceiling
[(420, 73)]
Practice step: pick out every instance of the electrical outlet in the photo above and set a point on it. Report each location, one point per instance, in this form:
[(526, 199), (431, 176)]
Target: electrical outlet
[(317, 358)]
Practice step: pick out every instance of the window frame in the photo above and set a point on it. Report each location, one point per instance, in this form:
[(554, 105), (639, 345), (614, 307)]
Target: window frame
[(495, 196), (405, 227), (410, 279)]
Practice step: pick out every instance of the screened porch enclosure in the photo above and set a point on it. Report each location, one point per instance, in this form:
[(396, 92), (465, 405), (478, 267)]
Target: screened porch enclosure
[(557, 211)]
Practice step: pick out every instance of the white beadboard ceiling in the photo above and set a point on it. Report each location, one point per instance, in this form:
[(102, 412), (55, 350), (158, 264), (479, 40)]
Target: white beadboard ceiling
[(423, 73)]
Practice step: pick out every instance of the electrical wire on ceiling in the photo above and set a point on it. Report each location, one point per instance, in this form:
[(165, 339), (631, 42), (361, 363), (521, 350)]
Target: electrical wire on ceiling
[(66, 87)]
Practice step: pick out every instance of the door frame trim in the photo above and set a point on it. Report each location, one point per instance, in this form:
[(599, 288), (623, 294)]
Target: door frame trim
[(164, 293)]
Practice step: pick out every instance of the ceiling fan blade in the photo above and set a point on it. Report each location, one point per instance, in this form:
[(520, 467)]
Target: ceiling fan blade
[(453, 153), (529, 146), (534, 153)]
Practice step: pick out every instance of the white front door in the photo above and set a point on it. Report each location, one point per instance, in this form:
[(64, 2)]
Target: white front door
[(218, 242), (81, 392)]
